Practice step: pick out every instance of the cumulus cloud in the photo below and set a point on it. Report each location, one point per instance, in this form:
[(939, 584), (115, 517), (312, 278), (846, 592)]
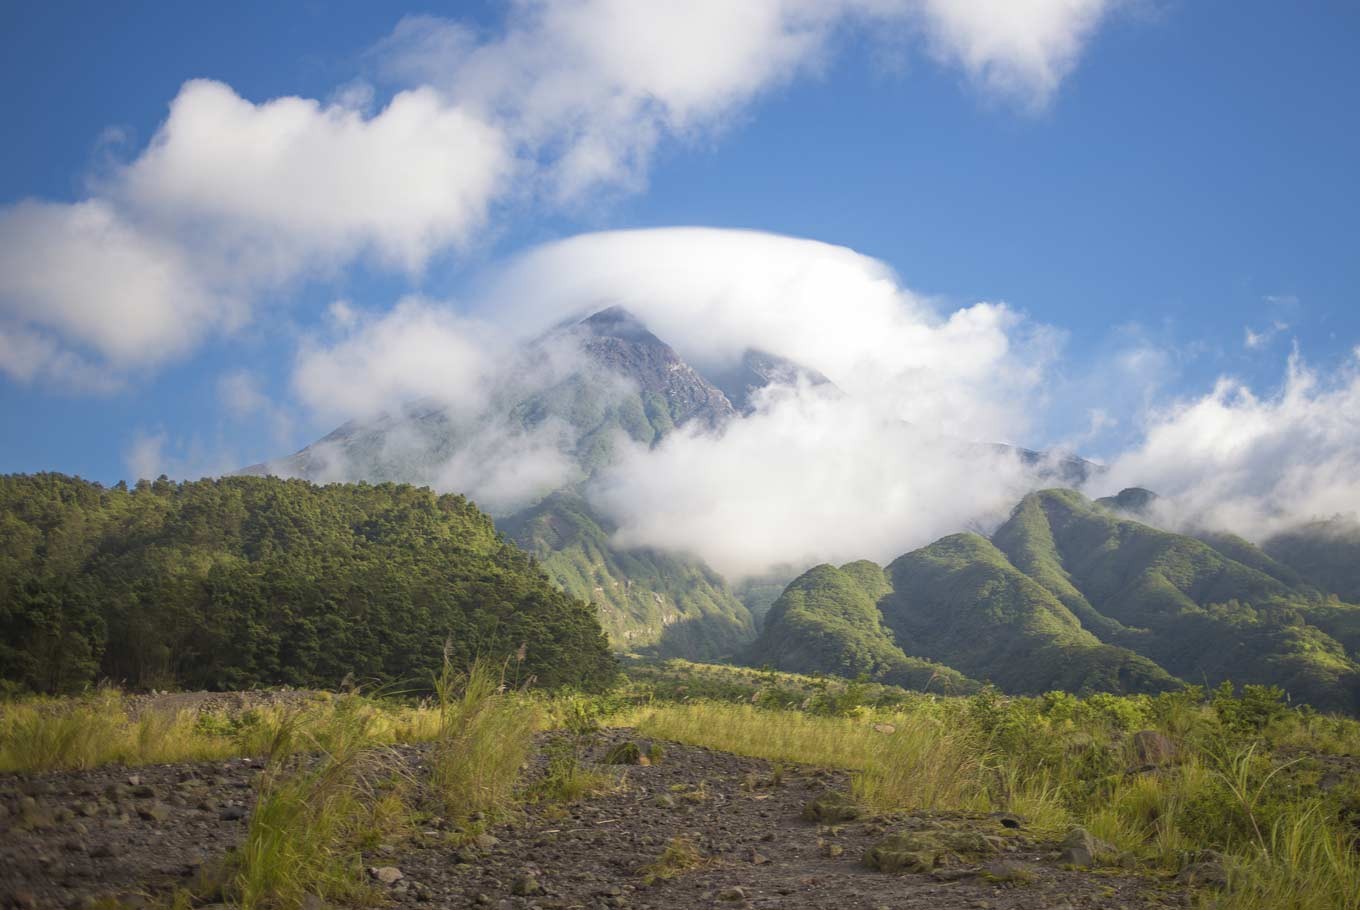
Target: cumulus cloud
[(1255, 464), (85, 274), (292, 183), (233, 198), (419, 349)]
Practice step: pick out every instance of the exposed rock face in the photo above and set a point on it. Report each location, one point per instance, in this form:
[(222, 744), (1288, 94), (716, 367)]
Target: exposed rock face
[(761, 369)]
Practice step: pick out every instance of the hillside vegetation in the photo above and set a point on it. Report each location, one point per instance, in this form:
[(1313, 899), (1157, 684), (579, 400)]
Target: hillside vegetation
[(1070, 594), (247, 581), (648, 600)]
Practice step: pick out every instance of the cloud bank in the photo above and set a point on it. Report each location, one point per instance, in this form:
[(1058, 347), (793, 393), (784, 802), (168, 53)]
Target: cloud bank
[(1255, 465), (877, 463), (234, 200)]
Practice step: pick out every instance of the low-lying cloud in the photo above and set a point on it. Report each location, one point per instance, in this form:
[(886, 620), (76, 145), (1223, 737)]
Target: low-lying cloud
[(1254, 464)]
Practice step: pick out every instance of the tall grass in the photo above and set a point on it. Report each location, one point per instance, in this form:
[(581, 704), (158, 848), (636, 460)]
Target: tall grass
[(1060, 762), (48, 734), (320, 801), (484, 740)]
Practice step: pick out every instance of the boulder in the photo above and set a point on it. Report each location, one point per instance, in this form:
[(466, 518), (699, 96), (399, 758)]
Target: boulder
[(831, 806), (1082, 848)]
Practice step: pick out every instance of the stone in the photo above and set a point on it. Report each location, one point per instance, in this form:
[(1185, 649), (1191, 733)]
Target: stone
[(387, 875), (831, 806), (1081, 848), (154, 812), (901, 853)]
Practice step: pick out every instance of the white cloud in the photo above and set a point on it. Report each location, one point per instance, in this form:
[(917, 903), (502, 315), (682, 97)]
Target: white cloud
[(711, 293), (808, 478), (1233, 459), (1256, 341), (290, 183), (101, 283), (871, 472), (233, 199), (1019, 48), (419, 349)]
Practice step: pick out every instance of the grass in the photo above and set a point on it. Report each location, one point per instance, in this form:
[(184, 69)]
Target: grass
[(317, 807), (681, 855), (49, 734), (1237, 789), (485, 737)]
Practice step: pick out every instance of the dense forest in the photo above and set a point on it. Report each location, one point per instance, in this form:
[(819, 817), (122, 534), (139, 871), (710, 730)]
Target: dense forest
[(246, 581)]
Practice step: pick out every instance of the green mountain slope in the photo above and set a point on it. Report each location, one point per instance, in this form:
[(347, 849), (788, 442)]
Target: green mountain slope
[(1327, 553), (1186, 605), (247, 581), (648, 601), (961, 602), (827, 621), (1076, 595)]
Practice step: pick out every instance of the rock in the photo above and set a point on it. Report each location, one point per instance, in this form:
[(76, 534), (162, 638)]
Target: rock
[(231, 813), (525, 885), (154, 812), (1081, 848), (1152, 748), (831, 806), (387, 875), (734, 893), (901, 853), (144, 791)]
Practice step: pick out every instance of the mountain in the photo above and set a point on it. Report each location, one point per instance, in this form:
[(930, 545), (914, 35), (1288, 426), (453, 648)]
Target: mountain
[(248, 581), (1327, 553), (827, 621), (761, 369), (584, 384), (567, 398), (1071, 594), (648, 600)]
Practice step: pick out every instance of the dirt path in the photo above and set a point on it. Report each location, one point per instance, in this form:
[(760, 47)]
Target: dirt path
[(66, 838)]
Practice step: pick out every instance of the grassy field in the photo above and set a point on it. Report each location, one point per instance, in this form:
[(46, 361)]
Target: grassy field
[(1238, 781)]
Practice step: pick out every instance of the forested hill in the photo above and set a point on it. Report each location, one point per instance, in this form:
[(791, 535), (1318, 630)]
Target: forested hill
[(1071, 594), (245, 581)]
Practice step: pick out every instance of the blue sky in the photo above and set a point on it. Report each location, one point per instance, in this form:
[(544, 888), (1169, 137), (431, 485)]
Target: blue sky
[(1188, 177)]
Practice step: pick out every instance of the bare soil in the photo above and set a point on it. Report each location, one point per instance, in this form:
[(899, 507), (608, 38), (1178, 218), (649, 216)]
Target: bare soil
[(67, 839)]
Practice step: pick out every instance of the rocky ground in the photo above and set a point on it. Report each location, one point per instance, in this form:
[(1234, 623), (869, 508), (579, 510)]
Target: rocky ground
[(743, 827)]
